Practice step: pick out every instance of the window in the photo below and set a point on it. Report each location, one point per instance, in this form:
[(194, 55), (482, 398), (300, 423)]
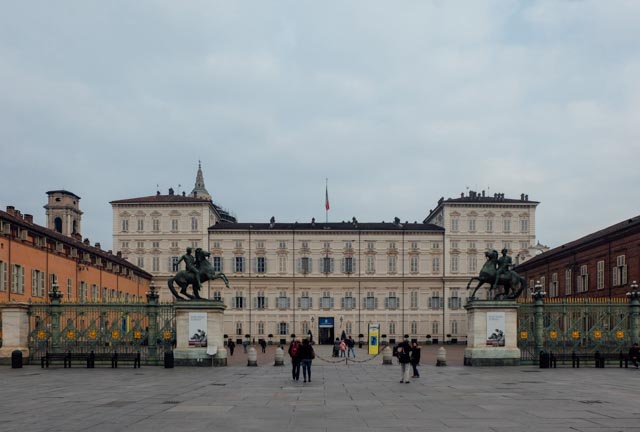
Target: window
[(455, 224), (37, 283), (524, 225), (155, 264), (155, 245), (348, 265), (194, 224), (455, 261), (392, 327), (239, 301), (600, 275), (174, 224), (327, 265), (173, 262), (553, 285), (17, 279), (3, 276), (260, 328), (217, 263), (156, 225), (140, 245), (454, 327), (195, 244), (140, 224), (489, 246), (282, 245), (413, 264), (141, 262), (94, 292), (506, 225), (524, 245), (371, 245), (370, 302), (489, 225), (216, 244), (283, 328), (348, 245), (455, 244), (305, 245), (620, 271), (304, 301), (125, 245), (413, 299), (238, 264), (105, 293), (125, 225), (391, 302), (472, 245), (435, 245), (434, 327), (472, 225), (239, 328), (326, 245), (392, 246), (567, 281), (414, 245), (583, 280), (217, 296), (174, 245), (69, 289), (436, 264), (260, 302), (348, 301), (392, 263), (473, 263), (506, 245), (371, 264), (260, 244), (282, 263), (326, 301), (283, 302), (414, 328), (82, 292), (434, 301), (455, 301), (304, 265), (261, 265), (348, 327)]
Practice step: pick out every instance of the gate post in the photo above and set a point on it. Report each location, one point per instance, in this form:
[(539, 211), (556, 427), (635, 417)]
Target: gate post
[(538, 313), (634, 311), (15, 331), (54, 297), (152, 334)]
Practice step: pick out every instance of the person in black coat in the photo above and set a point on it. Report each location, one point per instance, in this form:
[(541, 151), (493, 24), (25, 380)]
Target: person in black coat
[(415, 359), (634, 354), (404, 357), (306, 356)]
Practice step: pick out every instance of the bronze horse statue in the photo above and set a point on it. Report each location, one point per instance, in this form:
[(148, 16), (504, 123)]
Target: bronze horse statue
[(509, 280), (185, 278)]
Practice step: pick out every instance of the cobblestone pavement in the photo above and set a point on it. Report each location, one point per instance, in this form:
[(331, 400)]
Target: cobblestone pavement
[(341, 397)]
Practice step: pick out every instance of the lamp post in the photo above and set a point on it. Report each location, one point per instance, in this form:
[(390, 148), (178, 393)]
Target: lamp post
[(538, 295), (634, 305), (310, 333)]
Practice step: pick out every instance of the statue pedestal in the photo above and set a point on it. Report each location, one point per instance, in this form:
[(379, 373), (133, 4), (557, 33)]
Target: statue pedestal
[(492, 333), (15, 332), (202, 315)]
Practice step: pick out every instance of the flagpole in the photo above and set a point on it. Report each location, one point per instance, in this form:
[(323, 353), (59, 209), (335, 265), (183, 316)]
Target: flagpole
[(326, 202)]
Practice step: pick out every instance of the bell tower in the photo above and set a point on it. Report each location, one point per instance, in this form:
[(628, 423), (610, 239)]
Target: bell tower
[(63, 212), (199, 191)]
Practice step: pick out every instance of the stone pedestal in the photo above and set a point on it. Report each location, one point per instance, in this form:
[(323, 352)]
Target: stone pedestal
[(15, 332), (479, 352), (185, 355)]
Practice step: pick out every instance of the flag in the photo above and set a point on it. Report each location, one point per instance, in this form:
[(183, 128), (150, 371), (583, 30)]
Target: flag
[(326, 198)]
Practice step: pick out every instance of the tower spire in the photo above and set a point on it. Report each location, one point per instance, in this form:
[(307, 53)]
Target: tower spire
[(200, 191)]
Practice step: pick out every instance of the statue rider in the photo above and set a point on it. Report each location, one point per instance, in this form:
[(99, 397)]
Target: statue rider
[(504, 266), (192, 267)]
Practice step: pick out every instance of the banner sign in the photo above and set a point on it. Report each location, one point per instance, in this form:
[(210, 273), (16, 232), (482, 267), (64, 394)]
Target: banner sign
[(374, 338), (197, 329), (325, 322), (495, 329)]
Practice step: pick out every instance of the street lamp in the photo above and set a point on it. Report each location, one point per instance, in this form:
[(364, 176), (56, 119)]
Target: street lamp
[(538, 291), (634, 294)]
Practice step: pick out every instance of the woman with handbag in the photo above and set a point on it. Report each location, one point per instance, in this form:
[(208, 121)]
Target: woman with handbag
[(306, 356)]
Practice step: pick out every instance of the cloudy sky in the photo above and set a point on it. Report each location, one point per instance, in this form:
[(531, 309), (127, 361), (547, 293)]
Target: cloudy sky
[(396, 103)]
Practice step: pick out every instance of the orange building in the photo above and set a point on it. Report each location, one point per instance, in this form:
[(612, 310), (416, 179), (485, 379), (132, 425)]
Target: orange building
[(33, 258)]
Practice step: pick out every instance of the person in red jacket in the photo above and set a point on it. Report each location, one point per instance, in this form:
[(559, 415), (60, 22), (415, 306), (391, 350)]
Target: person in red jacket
[(294, 353)]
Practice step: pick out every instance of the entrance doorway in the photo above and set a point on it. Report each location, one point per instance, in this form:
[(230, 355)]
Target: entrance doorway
[(326, 333)]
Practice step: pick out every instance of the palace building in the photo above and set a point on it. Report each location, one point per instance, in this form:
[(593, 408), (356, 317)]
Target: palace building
[(33, 258)]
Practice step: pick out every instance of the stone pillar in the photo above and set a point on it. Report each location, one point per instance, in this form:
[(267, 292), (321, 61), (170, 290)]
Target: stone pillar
[(634, 312), (15, 331), (55, 296), (483, 351), (186, 355), (538, 315), (152, 334)]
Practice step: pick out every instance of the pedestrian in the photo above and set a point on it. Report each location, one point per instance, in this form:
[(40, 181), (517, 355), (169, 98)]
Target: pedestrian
[(404, 357), (336, 347), (343, 348), (263, 344), (231, 345), (415, 359), (294, 353), (306, 357), (351, 347), (634, 354), (245, 344)]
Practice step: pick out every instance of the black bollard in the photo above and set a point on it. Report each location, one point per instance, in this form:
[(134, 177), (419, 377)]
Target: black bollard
[(16, 359)]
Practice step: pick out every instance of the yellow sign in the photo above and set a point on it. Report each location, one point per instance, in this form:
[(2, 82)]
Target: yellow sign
[(167, 335), (524, 335), (374, 338), (93, 334), (137, 335), (42, 334), (71, 334), (620, 334), (597, 334), (553, 334), (115, 334), (575, 334)]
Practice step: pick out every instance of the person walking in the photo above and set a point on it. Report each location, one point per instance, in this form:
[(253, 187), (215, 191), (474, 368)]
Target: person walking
[(294, 353), (415, 359), (336, 348), (343, 348), (231, 345), (263, 345), (634, 354), (350, 347), (404, 357), (306, 356)]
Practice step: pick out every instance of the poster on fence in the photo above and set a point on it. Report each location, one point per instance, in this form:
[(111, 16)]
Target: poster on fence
[(197, 329), (495, 329)]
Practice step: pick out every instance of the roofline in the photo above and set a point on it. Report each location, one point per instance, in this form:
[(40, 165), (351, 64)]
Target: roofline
[(63, 191), (451, 201)]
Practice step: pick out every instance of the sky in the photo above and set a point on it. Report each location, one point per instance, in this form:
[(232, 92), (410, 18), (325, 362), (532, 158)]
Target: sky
[(395, 103)]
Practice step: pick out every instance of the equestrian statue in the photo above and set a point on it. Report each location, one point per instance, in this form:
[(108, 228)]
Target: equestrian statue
[(198, 270), (497, 271)]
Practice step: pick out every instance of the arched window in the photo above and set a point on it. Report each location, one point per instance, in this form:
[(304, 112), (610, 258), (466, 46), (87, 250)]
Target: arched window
[(58, 224), (75, 226)]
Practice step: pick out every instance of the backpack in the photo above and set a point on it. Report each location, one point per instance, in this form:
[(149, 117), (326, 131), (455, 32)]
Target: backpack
[(294, 349)]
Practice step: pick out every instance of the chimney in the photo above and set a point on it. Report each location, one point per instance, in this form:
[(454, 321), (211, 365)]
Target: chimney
[(482, 194), (119, 254), (11, 210), (98, 245), (87, 242), (76, 236), (110, 252), (28, 218)]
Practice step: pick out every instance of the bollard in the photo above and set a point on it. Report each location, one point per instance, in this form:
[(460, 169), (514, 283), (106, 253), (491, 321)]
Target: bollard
[(387, 358), (168, 359), (220, 359), (16, 359), (441, 358), (252, 357), (279, 357)]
